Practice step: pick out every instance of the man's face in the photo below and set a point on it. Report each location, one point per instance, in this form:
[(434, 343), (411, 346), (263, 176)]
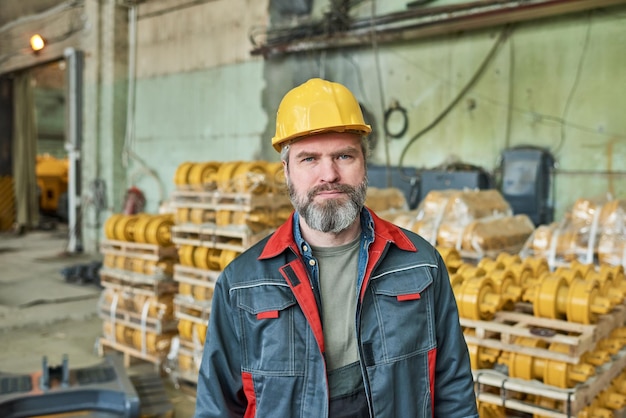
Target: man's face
[(327, 180)]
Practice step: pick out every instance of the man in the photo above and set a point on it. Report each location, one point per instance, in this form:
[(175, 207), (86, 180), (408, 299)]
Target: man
[(338, 313)]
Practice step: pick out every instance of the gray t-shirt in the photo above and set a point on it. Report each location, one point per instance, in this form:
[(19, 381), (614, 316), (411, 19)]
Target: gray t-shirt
[(338, 268)]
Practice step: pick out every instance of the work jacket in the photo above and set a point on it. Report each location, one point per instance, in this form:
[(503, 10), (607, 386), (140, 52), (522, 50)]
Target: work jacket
[(264, 351)]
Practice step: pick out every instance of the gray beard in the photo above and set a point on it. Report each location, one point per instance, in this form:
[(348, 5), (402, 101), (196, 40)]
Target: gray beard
[(333, 215)]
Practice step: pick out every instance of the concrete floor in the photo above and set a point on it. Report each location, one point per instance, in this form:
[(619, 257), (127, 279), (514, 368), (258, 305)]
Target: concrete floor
[(42, 314)]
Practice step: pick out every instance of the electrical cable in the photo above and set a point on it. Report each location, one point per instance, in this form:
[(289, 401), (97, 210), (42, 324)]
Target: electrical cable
[(395, 108), (574, 88), (503, 33), (380, 88)]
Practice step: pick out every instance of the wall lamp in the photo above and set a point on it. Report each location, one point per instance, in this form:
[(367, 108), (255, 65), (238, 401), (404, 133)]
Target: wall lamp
[(37, 43)]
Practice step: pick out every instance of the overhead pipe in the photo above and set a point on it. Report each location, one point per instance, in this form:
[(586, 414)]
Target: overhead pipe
[(431, 22)]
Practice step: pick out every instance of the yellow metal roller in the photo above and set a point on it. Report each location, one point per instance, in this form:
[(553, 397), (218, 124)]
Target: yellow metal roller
[(578, 301), (139, 228), (121, 262), (108, 260), (225, 176), (538, 265), (251, 177), (185, 328), (109, 225), (159, 230), (226, 256), (201, 257), (200, 331), (481, 357), (277, 173), (185, 288), (203, 176), (180, 176), (477, 299), (202, 293), (183, 215), (451, 258), (489, 265), (508, 259), (506, 285), (565, 375), (125, 227), (185, 363), (521, 365), (200, 216), (214, 259), (185, 255), (223, 217)]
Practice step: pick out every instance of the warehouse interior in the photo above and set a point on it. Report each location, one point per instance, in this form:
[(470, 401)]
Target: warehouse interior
[(497, 135)]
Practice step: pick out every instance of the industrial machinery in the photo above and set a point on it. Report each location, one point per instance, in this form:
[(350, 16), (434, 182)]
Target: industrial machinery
[(103, 390), (526, 182), (52, 182)]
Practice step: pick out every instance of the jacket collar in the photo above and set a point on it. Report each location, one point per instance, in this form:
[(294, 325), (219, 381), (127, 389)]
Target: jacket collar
[(286, 235)]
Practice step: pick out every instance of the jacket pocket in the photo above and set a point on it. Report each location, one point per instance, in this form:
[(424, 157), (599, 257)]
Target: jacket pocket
[(272, 329), (402, 303)]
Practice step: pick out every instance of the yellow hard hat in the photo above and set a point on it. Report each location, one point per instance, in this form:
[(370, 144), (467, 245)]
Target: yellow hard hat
[(317, 106)]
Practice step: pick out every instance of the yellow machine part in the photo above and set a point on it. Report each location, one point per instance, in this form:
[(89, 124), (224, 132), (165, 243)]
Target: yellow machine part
[(150, 342), (52, 178), (481, 357), (565, 375), (203, 176), (186, 255), (183, 215), (451, 258), (185, 328), (185, 289), (225, 176), (277, 173), (477, 299), (200, 331), (158, 231), (578, 301), (252, 177), (202, 293), (182, 173)]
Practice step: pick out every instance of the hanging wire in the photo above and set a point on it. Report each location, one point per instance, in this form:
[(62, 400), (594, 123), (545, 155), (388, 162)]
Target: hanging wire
[(503, 34), (381, 90), (574, 88)]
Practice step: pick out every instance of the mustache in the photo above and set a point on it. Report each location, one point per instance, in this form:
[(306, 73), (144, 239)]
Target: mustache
[(342, 188)]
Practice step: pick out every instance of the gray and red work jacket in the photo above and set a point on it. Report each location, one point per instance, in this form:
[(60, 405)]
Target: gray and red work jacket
[(264, 351)]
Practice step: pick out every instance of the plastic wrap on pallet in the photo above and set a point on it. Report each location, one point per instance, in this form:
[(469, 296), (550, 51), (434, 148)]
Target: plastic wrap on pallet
[(593, 230), (385, 199), (489, 236)]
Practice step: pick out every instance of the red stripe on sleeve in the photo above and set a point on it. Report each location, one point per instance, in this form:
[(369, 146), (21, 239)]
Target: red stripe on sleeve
[(432, 360), (248, 390)]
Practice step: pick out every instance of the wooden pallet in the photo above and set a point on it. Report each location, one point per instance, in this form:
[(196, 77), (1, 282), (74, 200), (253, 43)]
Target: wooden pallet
[(498, 389), (195, 275), (134, 320), (245, 202), (186, 307), (138, 250), (229, 237), (156, 284), (500, 333), (131, 354)]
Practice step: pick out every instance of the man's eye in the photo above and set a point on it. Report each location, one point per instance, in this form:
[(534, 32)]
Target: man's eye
[(345, 157), (308, 159)]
